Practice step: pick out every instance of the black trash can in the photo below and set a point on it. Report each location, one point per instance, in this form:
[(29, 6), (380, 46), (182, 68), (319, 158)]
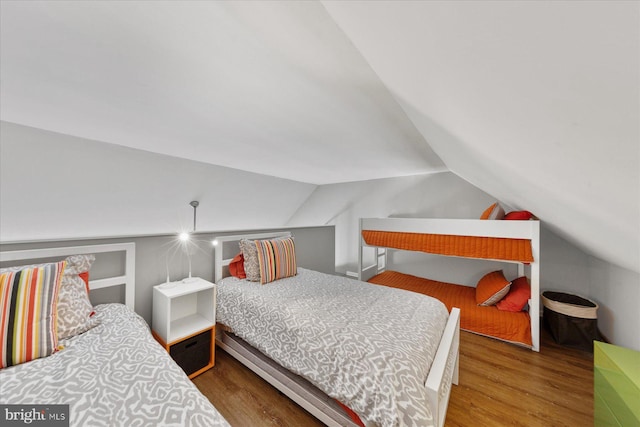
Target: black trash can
[(571, 320)]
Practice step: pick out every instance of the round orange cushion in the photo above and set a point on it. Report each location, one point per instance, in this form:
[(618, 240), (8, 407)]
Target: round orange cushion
[(491, 288)]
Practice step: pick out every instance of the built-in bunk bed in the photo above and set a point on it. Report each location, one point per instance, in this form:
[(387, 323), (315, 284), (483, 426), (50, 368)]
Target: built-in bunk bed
[(505, 241)]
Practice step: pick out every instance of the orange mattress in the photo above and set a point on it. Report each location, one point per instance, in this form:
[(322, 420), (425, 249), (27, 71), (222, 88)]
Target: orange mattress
[(445, 244), (505, 325)]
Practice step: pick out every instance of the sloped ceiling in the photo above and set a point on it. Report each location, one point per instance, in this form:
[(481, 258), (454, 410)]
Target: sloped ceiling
[(535, 103), (269, 87)]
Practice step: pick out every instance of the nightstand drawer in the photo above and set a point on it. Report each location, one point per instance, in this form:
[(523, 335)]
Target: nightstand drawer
[(193, 353)]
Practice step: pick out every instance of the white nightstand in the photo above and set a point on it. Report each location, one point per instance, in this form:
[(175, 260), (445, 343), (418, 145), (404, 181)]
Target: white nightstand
[(184, 322)]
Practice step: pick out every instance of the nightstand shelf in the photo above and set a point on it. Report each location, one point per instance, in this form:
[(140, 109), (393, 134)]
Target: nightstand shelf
[(188, 326), (184, 322)]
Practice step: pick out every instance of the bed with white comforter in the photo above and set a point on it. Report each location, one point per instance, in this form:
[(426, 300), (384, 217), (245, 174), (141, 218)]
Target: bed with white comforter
[(370, 347), (112, 375)]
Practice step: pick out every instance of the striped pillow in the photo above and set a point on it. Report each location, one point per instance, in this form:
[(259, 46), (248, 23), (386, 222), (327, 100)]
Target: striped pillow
[(277, 259), (28, 299)]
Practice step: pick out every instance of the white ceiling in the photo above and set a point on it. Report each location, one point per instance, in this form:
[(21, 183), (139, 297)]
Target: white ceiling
[(536, 103), (269, 87)]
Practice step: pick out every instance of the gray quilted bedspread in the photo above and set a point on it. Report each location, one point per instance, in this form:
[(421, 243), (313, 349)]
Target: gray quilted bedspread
[(368, 346), (112, 375)]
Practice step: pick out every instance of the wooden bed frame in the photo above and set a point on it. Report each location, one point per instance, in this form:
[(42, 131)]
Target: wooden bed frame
[(461, 227), (444, 369), (32, 256)]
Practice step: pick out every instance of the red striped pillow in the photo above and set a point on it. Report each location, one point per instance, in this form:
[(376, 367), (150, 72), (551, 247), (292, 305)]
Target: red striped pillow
[(28, 299), (277, 259)]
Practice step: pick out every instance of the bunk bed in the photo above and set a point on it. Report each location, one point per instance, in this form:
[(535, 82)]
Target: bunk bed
[(318, 337), (505, 241)]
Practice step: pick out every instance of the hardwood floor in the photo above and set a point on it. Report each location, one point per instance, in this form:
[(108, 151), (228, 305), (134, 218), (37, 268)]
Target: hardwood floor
[(500, 385), (246, 400)]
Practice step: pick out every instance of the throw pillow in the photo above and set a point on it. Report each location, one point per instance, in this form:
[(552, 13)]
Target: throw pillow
[(518, 296), (251, 265), (491, 288), (29, 298), (277, 259), (236, 267), (74, 307), (494, 211)]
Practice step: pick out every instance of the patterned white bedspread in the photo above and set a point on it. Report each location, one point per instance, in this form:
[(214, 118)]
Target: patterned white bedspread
[(112, 375), (370, 347)]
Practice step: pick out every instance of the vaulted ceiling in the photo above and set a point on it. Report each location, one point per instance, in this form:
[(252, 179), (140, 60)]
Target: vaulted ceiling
[(536, 103), (269, 87)]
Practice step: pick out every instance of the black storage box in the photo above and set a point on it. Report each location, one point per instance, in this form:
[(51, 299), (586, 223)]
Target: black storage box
[(571, 320), (193, 353)]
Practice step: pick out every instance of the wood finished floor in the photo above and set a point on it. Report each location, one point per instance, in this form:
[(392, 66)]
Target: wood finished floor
[(500, 385)]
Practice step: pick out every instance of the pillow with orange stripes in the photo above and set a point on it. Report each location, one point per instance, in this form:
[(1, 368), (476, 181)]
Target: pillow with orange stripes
[(276, 258), (28, 300)]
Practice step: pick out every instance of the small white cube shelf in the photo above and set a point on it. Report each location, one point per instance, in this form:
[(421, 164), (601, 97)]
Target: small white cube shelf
[(182, 310)]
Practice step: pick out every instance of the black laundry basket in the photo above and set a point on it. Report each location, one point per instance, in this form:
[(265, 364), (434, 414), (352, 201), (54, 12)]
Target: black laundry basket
[(571, 320)]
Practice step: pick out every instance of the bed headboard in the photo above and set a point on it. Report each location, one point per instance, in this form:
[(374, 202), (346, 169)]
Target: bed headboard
[(31, 256), (229, 242)]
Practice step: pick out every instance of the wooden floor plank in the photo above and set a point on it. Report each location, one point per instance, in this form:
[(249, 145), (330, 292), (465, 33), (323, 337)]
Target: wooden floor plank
[(500, 385), (245, 399)]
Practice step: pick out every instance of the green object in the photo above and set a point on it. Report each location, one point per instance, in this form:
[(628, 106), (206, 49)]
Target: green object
[(616, 376)]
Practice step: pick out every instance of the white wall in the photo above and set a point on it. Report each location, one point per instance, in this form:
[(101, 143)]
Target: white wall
[(617, 292), (58, 186), (438, 195)]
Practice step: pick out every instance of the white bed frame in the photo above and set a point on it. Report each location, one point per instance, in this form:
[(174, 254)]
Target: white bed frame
[(439, 380), (462, 227), (29, 256)]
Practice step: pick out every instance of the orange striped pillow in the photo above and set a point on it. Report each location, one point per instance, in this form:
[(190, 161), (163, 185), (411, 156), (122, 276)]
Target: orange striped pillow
[(277, 259), (28, 299)]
